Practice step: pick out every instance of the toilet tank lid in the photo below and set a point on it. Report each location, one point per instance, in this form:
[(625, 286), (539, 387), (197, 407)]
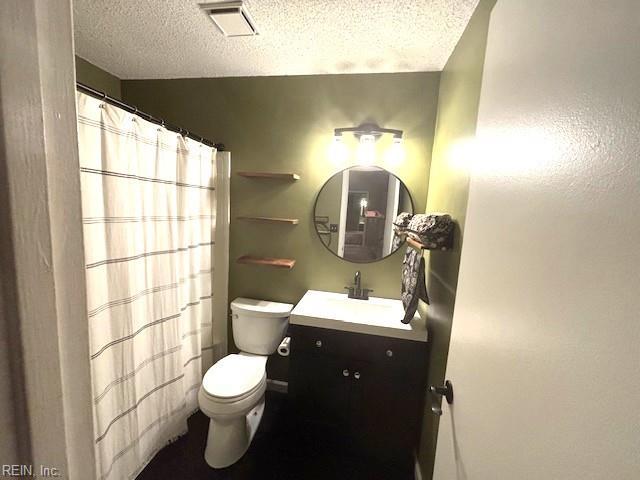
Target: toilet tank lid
[(261, 308)]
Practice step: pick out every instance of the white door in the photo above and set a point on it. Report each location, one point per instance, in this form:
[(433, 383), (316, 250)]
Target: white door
[(545, 347)]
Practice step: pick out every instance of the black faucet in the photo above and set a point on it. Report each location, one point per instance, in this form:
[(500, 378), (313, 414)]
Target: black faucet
[(356, 291)]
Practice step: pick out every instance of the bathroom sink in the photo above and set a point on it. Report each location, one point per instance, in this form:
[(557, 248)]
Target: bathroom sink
[(376, 316)]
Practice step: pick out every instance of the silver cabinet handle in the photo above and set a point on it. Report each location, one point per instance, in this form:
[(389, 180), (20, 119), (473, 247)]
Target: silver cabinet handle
[(356, 375), (389, 353), (345, 373), (318, 343)]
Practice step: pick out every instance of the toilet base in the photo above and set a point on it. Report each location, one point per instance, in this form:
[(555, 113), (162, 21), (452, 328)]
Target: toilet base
[(229, 438)]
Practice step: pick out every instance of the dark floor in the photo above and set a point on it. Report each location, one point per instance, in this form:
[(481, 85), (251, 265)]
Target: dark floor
[(281, 450)]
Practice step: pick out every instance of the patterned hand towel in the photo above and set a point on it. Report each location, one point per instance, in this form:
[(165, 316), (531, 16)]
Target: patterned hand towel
[(433, 230), (400, 225), (413, 283)]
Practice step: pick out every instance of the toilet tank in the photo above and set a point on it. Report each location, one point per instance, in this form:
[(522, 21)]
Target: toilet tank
[(259, 325)]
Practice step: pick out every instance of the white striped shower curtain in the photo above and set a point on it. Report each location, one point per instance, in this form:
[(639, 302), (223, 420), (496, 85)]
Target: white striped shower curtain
[(148, 204)]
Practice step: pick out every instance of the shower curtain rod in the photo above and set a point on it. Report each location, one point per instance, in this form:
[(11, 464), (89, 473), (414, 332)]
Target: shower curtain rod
[(158, 121)]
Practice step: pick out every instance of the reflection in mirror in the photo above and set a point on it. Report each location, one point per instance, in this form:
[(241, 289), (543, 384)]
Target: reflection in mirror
[(354, 213)]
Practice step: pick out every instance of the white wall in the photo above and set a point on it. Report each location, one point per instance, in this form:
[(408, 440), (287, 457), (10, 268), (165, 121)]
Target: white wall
[(545, 350), (220, 313), (10, 448), (44, 301)]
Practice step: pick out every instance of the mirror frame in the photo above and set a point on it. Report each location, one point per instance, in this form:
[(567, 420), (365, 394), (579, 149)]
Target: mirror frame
[(315, 204)]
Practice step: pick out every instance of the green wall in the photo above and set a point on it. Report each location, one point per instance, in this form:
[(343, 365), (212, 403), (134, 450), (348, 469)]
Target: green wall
[(285, 124), (97, 78), (458, 102)]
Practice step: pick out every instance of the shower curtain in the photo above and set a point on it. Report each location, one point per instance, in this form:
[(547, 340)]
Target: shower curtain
[(149, 219)]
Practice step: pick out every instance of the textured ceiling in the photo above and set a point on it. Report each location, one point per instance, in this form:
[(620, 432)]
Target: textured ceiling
[(175, 39)]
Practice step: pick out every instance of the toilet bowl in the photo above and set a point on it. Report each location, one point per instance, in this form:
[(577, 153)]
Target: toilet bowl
[(232, 396), (232, 390)]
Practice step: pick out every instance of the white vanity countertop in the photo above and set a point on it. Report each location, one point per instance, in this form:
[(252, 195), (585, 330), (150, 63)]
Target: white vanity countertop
[(376, 316)]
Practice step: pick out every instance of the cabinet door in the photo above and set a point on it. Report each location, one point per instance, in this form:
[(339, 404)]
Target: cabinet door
[(320, 389), (385, 411)]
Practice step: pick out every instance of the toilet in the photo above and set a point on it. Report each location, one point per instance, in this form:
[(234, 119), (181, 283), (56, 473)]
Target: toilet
[(232, 390)]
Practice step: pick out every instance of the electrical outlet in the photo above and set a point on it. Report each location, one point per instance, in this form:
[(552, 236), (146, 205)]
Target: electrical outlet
[(333, 227)]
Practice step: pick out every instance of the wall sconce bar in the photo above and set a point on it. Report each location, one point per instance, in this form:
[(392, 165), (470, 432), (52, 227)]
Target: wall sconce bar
[(367, 129)]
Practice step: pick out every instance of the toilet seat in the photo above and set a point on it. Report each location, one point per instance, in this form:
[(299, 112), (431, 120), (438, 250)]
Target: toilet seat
[(234, 378), (223, 400)]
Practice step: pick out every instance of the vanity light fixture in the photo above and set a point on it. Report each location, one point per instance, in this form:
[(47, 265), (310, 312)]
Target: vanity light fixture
[(395, 154), (367, 150), (367, 134), (338, 151)]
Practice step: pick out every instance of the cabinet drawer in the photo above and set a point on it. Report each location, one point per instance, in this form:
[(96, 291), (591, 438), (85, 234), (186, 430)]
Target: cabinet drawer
[(315, 340), (369, 348)]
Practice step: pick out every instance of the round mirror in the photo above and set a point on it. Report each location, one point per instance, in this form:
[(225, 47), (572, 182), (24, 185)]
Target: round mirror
[(355, 210)]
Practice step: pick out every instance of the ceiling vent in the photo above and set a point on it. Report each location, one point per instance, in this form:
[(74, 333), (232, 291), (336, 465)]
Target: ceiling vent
[(231, 18)]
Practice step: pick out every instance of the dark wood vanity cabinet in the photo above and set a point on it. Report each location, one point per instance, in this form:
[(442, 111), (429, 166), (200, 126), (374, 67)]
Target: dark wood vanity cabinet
[(367, 389)]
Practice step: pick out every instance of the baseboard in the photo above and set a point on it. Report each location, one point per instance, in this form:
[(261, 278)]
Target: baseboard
[(279, 386), (417, 472)]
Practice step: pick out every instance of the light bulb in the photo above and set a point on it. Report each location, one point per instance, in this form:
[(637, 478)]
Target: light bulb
[(395, 154), (338, 151), (367, 150), (363, 206)]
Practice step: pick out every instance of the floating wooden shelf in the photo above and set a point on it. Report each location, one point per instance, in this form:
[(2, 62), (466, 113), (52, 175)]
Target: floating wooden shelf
[(278, 176), (288, 221), (287, 263)]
